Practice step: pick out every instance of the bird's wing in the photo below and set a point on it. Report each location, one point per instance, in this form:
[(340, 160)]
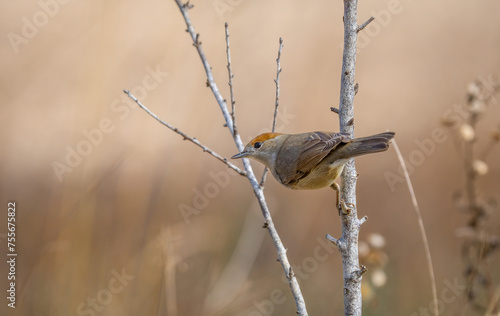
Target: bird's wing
[(317, 146)]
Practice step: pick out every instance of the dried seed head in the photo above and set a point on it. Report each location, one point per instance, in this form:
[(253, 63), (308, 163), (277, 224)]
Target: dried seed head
[(473, 89), (378, 278), (448, 122), (377, 241), (363, 249), (480, 167), (467, 132), (496, 135), (477, 106)]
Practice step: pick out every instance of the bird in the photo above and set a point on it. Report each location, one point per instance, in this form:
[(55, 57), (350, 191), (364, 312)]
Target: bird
[(313, 160)]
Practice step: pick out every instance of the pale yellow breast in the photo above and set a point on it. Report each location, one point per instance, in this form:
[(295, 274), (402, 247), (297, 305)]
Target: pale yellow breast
[(320, 177)]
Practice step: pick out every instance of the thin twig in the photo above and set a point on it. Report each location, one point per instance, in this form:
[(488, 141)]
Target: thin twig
[(230, 74), (276, 103), (208, 70), (421, 226), (259, 193), (186, 137), (338, 243), (277, 82), (362, 26)]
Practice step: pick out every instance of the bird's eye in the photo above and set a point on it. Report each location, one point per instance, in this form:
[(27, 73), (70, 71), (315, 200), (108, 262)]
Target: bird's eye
[(257, 145)]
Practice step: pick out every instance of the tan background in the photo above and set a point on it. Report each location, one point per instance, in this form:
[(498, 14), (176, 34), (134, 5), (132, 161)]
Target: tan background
[(119, 208)]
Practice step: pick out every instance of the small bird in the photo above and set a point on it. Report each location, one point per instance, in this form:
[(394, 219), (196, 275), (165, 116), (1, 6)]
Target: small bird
[(310, 160)]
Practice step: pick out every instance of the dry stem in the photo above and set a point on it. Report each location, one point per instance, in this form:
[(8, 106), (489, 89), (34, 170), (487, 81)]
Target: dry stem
[(276, 103), (421, 226)]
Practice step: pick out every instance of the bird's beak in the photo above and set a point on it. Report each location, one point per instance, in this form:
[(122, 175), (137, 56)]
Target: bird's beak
[(240, 155)]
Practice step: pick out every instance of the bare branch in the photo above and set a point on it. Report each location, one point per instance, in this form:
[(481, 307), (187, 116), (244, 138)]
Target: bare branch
[(277, 81), (362, 26), (208, 70), (292, 281), (421, 226), (230, 74), (276, 103), (363, 220), (186, 137), (339, 244)]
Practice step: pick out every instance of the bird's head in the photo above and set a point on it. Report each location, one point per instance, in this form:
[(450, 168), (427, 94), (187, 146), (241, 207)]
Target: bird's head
[(262, 148)]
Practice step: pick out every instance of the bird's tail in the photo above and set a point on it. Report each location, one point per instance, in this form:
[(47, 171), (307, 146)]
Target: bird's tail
[(365, 145)]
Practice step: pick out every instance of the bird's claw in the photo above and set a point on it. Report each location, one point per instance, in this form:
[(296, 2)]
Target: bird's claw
[(345, 209)]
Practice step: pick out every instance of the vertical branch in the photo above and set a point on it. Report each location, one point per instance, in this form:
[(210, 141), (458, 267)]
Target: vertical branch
[(277, 82), (349, 218)]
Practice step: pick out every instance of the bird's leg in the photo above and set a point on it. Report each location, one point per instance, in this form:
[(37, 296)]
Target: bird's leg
[(336, 187), (341, 206)]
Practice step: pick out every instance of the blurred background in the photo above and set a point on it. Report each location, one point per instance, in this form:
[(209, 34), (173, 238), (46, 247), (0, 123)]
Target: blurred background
[(117, 215)]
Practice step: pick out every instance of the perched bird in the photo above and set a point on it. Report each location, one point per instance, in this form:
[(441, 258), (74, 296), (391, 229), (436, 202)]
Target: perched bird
[(310, 160)]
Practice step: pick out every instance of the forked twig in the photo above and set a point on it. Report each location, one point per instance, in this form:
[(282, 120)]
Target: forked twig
[(184, 7)]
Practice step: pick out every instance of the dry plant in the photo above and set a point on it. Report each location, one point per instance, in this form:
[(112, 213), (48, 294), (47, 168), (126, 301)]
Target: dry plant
[(479, 244), (421, 227), (347, 244), (373, 256)]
